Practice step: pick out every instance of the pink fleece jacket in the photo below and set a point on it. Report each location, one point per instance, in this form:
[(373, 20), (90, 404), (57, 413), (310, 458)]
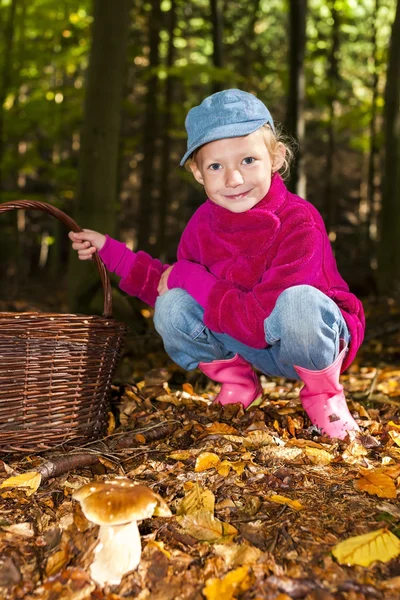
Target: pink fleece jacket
[(237, 264)]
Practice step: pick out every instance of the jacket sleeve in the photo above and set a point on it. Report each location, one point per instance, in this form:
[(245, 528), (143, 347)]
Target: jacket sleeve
[(140, 273), (241, 314)]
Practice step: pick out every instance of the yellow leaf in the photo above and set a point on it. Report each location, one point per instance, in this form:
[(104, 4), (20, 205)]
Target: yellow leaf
[(160, 547), (206, 460), (365, 549), (197, 499), (318, 456), (377, 483), (395, 435), (30, 480), (393, 424), (202, 525), (111, 423), (225, 466), (283, 500), (235, 582), (180, 455)]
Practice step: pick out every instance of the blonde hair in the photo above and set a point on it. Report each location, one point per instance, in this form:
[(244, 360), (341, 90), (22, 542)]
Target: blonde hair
[(272, 141)]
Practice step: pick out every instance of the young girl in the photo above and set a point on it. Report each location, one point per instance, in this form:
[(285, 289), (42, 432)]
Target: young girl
[(255, 282)]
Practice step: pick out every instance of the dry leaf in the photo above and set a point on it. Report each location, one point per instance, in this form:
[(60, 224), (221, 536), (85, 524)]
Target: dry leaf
[(236, 555), (203, 526), (257, 439), (295, 504), (225, 466), (221, 428), (228, 587), (56, 562), (22, 529), (395, 435), (188, 388), (365, 549), (377, 483), (195, 500), (205, 461), (160, 547), (30, 480), (180, 455), (111, 423), (318, 456)]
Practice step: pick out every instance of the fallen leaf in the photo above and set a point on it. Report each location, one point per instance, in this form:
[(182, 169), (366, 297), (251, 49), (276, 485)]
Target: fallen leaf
[(56, 562), (197, 499), (111, 423), (295, 504), (233, 583), (188, 388), (160, 547), (203, 526), (395, 435), (365, 549), (205, 461), (257, 439), (30, 480), (236, 555), (318, 456), (22, 529), (221, 428), (225, 466), (180, 455), (377, 483)]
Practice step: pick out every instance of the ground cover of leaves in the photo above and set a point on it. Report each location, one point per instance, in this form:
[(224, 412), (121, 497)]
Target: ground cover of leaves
[(259, 498)]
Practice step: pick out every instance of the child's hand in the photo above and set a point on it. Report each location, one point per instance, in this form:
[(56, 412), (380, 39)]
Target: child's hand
[(162, 286), (87, 242)]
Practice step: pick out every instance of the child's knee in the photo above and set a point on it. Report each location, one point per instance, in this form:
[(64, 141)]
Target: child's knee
[(301, 310)]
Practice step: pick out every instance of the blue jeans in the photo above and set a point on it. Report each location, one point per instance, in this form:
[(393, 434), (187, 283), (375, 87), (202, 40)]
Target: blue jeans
[(303, 329)]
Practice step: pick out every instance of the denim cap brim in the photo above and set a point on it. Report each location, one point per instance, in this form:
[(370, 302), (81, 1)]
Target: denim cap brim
[(226, 131)]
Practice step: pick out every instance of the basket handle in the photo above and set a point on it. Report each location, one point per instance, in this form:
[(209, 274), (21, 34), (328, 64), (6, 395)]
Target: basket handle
[(70, 223)]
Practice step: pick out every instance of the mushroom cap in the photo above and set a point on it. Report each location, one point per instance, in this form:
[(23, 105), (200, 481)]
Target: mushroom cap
[(119, 501), (97, 486)]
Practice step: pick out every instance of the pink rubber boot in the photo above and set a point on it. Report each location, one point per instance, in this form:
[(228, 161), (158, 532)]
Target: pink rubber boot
[(323, 399), (239, 381)]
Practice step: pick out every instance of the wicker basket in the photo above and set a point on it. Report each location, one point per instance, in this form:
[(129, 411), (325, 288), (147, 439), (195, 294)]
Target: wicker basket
[(56, 370)]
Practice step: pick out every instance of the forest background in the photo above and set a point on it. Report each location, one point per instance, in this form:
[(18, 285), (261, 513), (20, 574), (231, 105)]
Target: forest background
[(93, 98)]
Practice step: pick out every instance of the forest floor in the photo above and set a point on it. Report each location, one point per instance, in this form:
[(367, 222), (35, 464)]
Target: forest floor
[(259, 499)]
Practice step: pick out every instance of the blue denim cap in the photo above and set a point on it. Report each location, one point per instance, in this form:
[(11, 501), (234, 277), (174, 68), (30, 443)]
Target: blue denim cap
[(227, 114)]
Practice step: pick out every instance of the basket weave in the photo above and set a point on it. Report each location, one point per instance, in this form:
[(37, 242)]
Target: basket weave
[(56, 370)]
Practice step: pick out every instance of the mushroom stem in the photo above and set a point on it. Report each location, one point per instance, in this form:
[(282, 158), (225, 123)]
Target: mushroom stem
[(117, 552)]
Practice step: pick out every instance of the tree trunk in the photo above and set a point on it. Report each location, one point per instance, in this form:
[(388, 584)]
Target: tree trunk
[(217, 36), (296, 97), (98, 168), (370, 218), (249, 40), (6, 78), (333, 80), (166, 144), (389, 248), (148, 189)]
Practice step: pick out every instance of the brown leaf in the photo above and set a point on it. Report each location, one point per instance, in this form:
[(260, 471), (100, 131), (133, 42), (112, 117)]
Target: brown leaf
[(203, 526)]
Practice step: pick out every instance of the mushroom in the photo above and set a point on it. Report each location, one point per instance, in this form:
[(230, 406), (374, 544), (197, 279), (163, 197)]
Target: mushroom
[(116, 505)]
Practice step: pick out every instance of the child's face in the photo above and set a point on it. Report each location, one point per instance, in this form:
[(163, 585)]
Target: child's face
[(236, 172)]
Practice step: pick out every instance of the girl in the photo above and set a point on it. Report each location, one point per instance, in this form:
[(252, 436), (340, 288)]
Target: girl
[(255, 283)]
